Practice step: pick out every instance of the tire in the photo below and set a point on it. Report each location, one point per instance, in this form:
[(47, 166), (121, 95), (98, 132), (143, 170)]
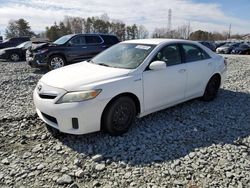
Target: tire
[(14, 57), (119, 116), (212, 89), (56, 61)]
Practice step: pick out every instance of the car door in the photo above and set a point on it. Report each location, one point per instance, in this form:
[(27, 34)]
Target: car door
[(200, 67), (76, 48), (167, 86), (94, 44)]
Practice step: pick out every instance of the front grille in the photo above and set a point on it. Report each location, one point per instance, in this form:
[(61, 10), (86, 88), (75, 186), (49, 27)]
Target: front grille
[(51, 118), (46, 96)]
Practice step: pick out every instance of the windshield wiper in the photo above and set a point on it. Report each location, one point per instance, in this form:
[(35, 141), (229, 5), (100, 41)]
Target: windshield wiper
[(90, 61), (103, 64)]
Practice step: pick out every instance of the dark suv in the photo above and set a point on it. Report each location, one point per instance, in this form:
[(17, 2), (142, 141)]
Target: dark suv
[(68, 49), (13, 42)]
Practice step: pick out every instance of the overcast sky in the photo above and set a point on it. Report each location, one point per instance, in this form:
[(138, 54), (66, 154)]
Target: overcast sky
[(210, 15)]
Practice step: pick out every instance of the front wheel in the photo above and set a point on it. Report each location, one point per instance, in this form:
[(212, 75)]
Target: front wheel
[(212, 89), (119, 116), (14, 57), (56, 62)]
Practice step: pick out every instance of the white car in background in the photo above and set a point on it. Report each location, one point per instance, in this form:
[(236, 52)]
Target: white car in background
[(132, 78)]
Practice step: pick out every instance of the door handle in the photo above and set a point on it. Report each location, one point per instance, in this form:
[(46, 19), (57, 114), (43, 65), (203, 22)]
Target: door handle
[(210, 63), (84, 47), (182, 70), (104, 46)]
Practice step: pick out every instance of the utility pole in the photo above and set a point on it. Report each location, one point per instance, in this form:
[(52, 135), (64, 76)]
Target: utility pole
[(229, 31), (169, 19)]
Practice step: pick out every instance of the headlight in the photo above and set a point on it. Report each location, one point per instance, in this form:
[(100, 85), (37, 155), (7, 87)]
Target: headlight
[(79, 96), (42, 51)]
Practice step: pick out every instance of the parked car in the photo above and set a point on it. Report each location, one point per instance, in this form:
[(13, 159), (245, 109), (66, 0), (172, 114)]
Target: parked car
[(17, 53), (131, 79), (13, 42), (1, 39), (69, 49), (219, 44), (209, 45), (227, 48), (242, 49)]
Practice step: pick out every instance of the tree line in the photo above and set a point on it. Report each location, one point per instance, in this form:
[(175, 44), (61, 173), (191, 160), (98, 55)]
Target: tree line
[(103, 24), (97, 24)]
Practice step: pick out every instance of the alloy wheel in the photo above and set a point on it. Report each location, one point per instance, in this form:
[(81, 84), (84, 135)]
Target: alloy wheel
[(56, 62)]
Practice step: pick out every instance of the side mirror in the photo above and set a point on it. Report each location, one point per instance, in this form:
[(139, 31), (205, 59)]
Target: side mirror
[(157, 65)]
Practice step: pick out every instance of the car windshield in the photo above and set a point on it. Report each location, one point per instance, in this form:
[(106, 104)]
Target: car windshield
[(63, 39), (227, 45), (124, 55)]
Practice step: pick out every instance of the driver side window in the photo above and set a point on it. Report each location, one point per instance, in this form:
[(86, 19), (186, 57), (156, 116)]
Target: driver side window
[(78, 40), (169, 54)]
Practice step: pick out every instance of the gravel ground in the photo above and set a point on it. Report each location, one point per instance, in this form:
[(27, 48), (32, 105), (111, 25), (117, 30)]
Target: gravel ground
[(195, 144)]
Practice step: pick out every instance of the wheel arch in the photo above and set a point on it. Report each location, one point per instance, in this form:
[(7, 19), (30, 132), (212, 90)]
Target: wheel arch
[(217, 75), (127, 94)]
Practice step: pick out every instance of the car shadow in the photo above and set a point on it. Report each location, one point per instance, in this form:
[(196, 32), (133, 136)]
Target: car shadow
[(40, 71), (172, 133)]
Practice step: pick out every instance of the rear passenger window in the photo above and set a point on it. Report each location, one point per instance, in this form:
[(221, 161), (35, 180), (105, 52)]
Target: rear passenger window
[(194, 53), (110, 39), (170, 54), (93, 39)]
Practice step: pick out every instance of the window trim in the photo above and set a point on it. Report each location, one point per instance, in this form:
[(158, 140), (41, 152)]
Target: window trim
[(69, 41), (196, 46), (179, 49)]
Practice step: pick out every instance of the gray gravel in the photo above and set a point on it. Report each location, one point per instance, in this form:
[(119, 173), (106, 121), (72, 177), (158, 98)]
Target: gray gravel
[(195, 144)]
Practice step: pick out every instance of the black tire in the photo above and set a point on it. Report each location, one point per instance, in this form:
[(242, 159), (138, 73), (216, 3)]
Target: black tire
[(56, 61), (14, 57), (212, 89), (119, 116)]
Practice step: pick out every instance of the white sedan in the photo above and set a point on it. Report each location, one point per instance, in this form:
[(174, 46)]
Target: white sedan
[(131, 79)]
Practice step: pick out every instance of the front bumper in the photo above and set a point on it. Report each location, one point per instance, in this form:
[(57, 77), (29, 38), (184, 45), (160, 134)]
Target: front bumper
[(37, 60), (222, 51), (60, 116)]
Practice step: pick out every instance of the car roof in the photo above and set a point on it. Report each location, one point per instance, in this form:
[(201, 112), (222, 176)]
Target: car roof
[(155, 41)]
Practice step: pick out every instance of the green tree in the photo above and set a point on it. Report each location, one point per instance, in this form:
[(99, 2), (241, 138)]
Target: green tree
[(18, 28), (201, 35)]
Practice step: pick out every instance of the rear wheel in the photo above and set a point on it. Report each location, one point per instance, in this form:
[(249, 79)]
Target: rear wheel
[(212, 89), (14, 57), (119, 116), (56, 62)]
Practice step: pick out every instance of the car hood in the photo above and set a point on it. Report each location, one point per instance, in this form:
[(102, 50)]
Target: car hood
[(76, 76), (224, 47), (39, 46)]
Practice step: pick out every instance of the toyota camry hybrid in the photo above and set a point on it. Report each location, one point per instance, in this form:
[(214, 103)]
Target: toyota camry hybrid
[(131, 79)]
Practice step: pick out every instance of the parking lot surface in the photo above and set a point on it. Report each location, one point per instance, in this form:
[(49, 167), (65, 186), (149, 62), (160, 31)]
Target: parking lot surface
[(195, 143)]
